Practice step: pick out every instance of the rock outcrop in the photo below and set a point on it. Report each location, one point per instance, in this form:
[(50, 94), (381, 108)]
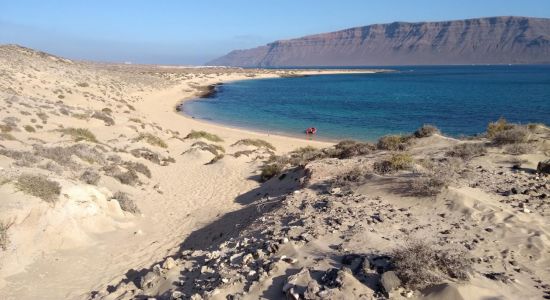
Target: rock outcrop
[(497, 40)]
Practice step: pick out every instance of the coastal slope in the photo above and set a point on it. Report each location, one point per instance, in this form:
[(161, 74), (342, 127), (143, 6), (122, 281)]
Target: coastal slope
[(496, 40)]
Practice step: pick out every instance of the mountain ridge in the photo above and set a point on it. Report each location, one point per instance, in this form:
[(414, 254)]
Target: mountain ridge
[(491, 40)]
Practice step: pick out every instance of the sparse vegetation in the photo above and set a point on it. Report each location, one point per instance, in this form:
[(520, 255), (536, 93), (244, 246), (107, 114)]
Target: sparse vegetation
[(39, 186), (271, 170), (398, 161), (29, 128), (151, 140), (256, 143), (427, 186), (467, 151), (4, 237), (519, 148), (80, 134), (138, 167), (348, 148), (90, 177), (393, 142), (129, 177), (126, 203), (152, 156), (418, 265), (426, 130), (204, 135), (495, 127), (103, 117), (514, 135)]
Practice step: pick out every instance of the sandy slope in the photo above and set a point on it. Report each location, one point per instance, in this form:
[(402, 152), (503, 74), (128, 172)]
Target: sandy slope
[(82, 242)]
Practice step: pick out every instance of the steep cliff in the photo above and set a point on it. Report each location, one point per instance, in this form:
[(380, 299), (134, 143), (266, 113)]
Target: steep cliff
[(497, 40)]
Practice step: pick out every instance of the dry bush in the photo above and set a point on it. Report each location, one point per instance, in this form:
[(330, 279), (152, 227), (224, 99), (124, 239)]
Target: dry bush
[(397, 162), (349, 148), (129, 177), (271, 170), (88, 154), (518, 149), (515, 135), (393, 142), (244, 152), (151, 140), (29, 128), (426, 186), (90, 177), (303, 155), (495, 127), (103, 117), (39, 186), (426, 130), (418, 265), (80, 134), (256, 143), (152, 156), (22, 158), (58, 154), (4, 136), (4, 238), (138, 167), (467, 151), (352, 177), (43, 116), (126, 203), (81, 116), (203, 134)]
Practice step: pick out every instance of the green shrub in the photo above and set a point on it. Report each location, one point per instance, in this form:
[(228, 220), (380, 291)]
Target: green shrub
[(426, 130), (203, 134), (79, 134), (39, 186)]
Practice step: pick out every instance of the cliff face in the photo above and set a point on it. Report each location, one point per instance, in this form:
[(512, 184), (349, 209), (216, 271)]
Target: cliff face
[(498, 40)]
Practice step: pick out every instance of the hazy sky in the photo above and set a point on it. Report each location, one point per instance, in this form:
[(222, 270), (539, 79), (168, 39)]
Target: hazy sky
[(193, 32)]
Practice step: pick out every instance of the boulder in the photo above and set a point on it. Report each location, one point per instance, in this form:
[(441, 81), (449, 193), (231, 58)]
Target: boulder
[(390, 281), (544, 167)]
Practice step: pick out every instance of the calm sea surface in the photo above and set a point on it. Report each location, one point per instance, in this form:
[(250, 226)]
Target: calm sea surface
[(460, 100)]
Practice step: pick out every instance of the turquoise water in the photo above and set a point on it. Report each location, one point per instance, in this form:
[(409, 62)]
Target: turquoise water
[(460, 100)]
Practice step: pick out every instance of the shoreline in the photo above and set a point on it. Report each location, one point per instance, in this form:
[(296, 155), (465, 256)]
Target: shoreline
[(209, 92)]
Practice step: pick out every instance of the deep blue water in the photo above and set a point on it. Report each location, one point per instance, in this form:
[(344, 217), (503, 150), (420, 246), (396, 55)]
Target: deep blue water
[(460, 100)]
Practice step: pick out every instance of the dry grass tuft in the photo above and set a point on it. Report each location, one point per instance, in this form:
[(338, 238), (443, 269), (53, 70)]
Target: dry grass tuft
[(204, 135), (126, 203), (151, 140), (271, 170), (39, 186), (418, 265), (467, 151), (103, 117), (397, 162), (426, 130), (80, 134), (393, 142), (348, 148)]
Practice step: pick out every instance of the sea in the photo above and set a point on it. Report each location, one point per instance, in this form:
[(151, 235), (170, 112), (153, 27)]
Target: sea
[(459, 100)]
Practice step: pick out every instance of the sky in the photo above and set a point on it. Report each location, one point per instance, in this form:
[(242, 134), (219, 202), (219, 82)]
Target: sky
[(193, 32)]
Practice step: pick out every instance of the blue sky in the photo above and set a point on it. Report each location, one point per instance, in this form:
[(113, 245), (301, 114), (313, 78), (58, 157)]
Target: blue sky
[(193, 32)]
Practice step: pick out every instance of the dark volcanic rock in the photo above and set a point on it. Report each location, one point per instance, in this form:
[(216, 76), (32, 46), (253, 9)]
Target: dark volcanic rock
[(494, 40)]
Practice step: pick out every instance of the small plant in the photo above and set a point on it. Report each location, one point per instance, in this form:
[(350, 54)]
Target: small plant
[(348, 148), (103, 117), (271, 170), (80, 134), (90, 177), (151, 139), (4, 238), (467, 151), (495, 127), (427, 186), (393, 142), (126, 203), (39, 186), (418, 265), (29, 128), (203, 134), (256, 143), (426, 130), (398, 161), (518, 149), (515, 135), (138, 167)]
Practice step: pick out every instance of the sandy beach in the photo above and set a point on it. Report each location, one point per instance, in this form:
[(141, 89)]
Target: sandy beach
[(107, 192)]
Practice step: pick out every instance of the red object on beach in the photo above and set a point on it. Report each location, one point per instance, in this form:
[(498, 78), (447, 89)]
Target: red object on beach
[(311, 130)]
